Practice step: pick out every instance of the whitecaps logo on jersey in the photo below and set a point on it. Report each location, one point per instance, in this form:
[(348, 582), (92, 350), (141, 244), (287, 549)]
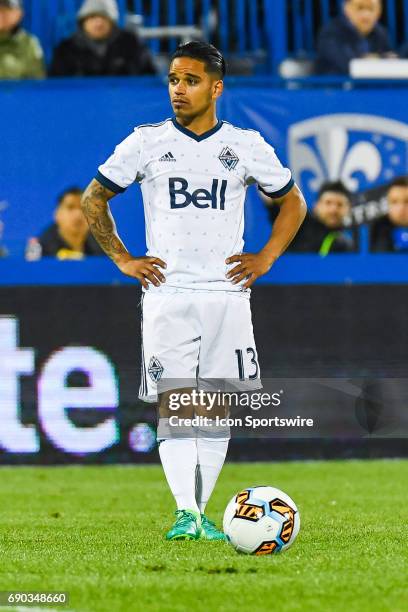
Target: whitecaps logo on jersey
[(228, 158), (363, 151), (155, 369)]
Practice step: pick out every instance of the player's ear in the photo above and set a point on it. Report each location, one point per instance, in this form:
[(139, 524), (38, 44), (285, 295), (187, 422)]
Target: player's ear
[(218, 88)]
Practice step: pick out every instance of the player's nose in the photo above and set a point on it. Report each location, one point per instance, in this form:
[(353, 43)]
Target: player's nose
[(179, 88)]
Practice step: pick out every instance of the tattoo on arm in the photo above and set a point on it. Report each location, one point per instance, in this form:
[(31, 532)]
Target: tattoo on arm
[(100, 220)]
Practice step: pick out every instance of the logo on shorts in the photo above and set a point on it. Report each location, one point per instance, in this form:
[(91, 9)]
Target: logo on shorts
[(228, 158), (155, 369)]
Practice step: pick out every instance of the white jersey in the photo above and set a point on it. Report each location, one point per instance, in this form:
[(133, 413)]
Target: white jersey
[(193, 191)]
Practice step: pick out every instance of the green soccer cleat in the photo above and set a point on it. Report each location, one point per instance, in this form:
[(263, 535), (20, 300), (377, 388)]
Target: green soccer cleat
[(186, 527), (209, 530)]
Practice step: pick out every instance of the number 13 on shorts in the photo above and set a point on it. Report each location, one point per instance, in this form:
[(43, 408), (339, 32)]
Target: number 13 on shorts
[(247, 363)]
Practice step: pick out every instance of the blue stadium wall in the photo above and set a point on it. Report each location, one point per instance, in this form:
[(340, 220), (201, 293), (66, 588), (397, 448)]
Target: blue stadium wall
[(56, 133)]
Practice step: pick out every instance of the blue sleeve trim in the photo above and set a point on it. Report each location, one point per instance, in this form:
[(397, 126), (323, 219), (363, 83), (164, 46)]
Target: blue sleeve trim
[(282, 192), (108, 183)]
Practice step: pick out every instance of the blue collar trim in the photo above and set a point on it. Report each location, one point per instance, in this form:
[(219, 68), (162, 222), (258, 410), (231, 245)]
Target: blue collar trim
[(193, 135)]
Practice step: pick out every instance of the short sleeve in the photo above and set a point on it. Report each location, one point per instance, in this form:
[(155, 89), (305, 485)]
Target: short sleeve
[(265, 169), (123, 167)]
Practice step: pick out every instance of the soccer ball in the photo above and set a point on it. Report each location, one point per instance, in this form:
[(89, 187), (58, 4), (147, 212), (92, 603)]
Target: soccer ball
[(261, 521)]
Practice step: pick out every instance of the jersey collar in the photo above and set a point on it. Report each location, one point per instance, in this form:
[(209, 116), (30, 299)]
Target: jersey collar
[(194, 136)]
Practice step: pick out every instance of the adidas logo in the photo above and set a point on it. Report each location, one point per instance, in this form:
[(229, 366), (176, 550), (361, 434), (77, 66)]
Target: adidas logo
[(168, 157)]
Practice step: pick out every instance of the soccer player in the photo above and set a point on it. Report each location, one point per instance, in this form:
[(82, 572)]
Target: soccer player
[(194, 170)]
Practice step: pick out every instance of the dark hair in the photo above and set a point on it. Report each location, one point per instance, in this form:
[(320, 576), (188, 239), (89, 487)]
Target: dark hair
[(336, 186), (400, 181), (204, 52), (70, 190)]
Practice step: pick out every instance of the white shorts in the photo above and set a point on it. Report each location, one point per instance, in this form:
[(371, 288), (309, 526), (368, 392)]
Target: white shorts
[(197, 337)]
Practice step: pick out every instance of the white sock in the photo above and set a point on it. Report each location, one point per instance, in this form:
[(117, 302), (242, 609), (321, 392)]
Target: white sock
[(211, 456), (179, 461)]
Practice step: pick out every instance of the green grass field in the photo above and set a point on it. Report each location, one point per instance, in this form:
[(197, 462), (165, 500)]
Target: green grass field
[(97, 533)]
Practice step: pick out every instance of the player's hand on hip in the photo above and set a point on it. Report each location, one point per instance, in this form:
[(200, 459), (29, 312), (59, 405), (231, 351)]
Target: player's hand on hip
[(145, 269), (250, 267)]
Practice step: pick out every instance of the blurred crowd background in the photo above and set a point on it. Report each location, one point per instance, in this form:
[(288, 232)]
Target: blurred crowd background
[(134, 37), (286, 43)]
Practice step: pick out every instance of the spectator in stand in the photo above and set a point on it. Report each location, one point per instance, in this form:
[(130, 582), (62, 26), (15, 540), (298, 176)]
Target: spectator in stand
[(355, 34), (68, 237), (323, 230), (100, 47), (389, 234), (21, 56)]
